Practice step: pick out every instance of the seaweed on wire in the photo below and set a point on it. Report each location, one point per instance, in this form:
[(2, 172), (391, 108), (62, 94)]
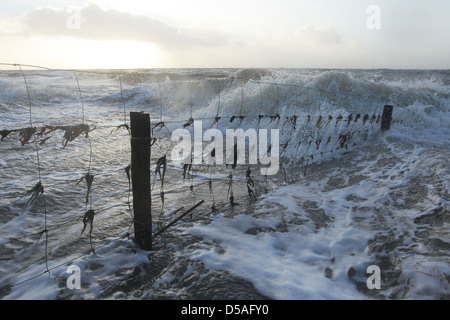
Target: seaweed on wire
[(127, 172), (88, 218), (186, 168), (251, 189), (318, 142), (216, 121), (26, 135), (259, 119), (189, 122), (339, 118), (328, 141), (349, 119), (161, 195), (34, 192), (5, 133), (161, 163), (284, 147), (126, 126), (275, 117), (365, 118), (319, 121), (292, 120), (241, 118), (330, 117), (89, 179), (73, 132)]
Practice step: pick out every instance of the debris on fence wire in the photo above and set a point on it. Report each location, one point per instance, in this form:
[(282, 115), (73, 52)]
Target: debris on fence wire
[(35, 192), (89, 218), (70, 133), (89, 179)]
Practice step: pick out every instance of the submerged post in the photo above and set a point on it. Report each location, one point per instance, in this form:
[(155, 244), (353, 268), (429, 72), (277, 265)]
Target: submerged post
[(140, 176), (387, 118)]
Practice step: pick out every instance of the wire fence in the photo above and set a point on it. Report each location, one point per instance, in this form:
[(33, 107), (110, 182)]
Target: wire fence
[(305, 139)]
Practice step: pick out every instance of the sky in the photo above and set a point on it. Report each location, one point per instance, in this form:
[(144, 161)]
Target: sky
[(97, 34)]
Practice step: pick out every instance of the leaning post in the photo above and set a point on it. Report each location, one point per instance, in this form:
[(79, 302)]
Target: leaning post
[(386, 118), (140, 177)]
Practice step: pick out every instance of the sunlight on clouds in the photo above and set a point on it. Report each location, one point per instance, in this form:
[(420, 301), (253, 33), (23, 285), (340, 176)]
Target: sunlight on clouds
[(90, 54), (10, 26), (116, 54), (179, 9), (71, 53), (94, 23)]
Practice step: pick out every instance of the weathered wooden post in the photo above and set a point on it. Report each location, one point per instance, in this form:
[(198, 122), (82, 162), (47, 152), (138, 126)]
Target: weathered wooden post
[(386, 118), (140, 176)]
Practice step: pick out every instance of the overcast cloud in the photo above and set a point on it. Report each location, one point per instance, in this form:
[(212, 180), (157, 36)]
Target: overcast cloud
[(94, 23), (234, 33)]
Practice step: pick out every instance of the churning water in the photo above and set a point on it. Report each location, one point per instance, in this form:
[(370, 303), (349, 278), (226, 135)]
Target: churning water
[(347, 196)]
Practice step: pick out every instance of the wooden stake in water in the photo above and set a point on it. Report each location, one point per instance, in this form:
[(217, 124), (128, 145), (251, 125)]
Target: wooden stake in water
[(140, 177), (387, 118)]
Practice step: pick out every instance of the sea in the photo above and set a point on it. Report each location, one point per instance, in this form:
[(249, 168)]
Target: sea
[(354, 211)]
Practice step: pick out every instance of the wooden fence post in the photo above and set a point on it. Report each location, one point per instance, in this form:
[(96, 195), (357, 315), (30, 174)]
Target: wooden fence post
[(387, 118), (140, 176)]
